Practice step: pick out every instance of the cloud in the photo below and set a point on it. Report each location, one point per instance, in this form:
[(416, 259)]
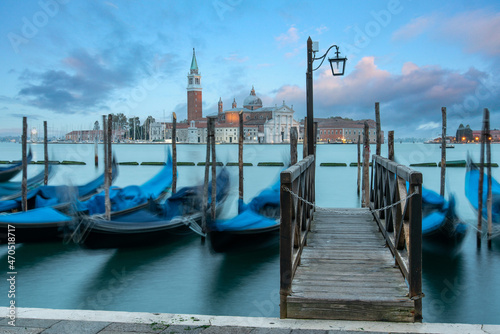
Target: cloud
[(87, 82), (321, 29), (429, 126), (407, 98), (414, 28), (476, 30), (236, 58), (290, 37)]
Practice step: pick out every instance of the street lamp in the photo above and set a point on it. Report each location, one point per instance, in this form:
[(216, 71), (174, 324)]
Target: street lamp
[(337, 65)]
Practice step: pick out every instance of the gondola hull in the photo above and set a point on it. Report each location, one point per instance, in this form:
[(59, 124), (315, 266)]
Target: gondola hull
[(38, 225), (226, 241)]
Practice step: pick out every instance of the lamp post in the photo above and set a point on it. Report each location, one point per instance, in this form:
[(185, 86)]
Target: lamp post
[(337, 65)]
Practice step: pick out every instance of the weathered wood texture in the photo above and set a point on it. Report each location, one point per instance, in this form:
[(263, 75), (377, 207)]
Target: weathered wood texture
[(174, 153), (24, 180), (293, 146), (296, 217), (346, 272), (378, 150), (443, 151), (45, 154), (401, 220)]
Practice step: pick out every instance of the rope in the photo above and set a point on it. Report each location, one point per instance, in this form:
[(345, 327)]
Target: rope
[(337, 211), (395, 203), (191, 223)]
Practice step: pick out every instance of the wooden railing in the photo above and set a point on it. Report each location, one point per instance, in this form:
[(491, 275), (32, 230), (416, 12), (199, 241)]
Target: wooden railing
[(400, 223), (296, 217)]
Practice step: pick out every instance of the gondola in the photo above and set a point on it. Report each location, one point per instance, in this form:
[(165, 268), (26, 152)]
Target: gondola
[(8, 172), (59, 197), (143, 226), (472, 193), (256, 225), (12, 189), (130, 198), (442, 229)]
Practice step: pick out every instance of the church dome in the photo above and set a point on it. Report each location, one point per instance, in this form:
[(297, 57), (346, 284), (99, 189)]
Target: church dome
[(252, 102)]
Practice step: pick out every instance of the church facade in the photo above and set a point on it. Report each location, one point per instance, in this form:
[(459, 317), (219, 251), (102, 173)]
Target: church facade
[(260, 124)]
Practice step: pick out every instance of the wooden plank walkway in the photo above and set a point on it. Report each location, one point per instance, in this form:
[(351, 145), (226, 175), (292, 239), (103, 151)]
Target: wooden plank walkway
[(346, 272)]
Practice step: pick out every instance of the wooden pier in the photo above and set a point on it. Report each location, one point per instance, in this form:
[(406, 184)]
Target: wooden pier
[(352, 264)]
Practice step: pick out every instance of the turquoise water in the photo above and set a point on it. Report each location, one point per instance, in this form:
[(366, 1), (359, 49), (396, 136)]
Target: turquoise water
[(184, 276)]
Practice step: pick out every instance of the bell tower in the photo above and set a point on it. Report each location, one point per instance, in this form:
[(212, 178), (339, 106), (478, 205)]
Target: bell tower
[(194, 98)]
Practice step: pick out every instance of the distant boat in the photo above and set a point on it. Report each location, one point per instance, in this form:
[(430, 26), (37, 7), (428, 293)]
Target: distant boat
[(154, 223), (472, 192), (257, 223), (8, 172), (448, 146)]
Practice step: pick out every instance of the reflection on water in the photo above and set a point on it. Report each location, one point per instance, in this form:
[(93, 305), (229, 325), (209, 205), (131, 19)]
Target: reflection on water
[(183, 276)]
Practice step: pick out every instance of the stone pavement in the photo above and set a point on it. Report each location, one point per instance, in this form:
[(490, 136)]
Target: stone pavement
[(49, 321)]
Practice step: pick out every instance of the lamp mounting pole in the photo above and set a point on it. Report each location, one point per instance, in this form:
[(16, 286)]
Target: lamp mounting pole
[(309, 98)]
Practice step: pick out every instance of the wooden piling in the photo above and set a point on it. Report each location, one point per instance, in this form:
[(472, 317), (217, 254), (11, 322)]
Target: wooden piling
[(489, 198), (315, 137), (359, 162), (205, 183), (109, 167), (174, 153), (105, 148), (480, 185), (390, 140), (24, 182), (96, 154), (214, 171), (378, 132), (45, 154), (240, 156), (304, 140), (366, 169), (293, 146), (443, 151)]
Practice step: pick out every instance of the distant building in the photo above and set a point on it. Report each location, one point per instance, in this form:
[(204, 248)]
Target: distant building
[(82, 136), (464, 134), (340, 130), (495, 135)]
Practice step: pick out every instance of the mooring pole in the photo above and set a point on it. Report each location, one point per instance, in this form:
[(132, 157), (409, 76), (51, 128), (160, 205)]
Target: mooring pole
[(240, 156), (480, 185), (390, 139), (174, 153), (293, 146), (96, 154), (378, 132), (304, 141), (105, 148), (489, 198), (109, 167), (443, 151), (359, 162), (205, 183), (214, 170), (45, 154), (24, 182), (366, 167)]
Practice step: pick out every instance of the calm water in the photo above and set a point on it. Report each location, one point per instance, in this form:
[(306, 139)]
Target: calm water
[(183, 276)]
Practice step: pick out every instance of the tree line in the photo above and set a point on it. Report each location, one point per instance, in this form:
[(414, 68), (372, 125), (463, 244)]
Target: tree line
[(132, 126)]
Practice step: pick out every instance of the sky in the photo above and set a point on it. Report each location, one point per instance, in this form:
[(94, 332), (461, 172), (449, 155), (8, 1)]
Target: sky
[(68, 62)]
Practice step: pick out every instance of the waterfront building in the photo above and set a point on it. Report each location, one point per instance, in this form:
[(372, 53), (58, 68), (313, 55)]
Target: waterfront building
[(464, 134), (341, 130)]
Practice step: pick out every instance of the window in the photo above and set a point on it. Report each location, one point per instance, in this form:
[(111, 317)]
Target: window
[(197, 80), (190, 81)]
